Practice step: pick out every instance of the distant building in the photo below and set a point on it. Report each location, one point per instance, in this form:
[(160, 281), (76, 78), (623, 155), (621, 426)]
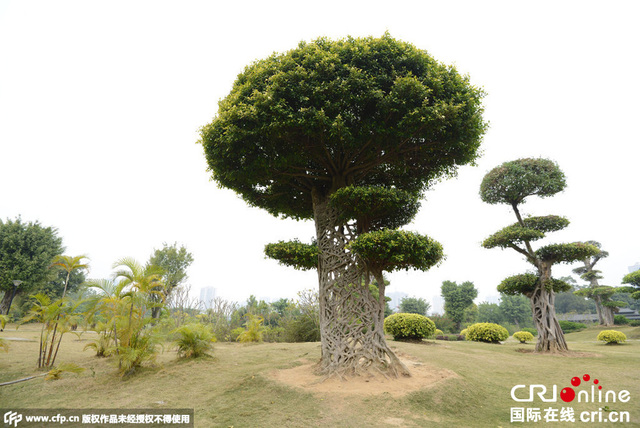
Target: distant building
[(437, 305), (634, 267), (207, 294), (396, 298)]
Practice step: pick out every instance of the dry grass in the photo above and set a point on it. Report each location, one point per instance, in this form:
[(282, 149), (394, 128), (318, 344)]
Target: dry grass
[(235, 387)]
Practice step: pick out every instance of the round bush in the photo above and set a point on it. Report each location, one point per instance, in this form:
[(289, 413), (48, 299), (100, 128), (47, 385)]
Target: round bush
[(409, 326), (523, 336), (487, 332), (438, 332), (612, 336), (463, 333)]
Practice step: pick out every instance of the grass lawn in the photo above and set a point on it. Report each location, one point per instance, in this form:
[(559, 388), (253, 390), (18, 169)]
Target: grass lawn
[(235, 387)]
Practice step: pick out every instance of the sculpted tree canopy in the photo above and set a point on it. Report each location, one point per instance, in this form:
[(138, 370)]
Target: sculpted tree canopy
[(511, 183), (375, 207), (348, 133), (632, 279), (294, 253), (334, 113)]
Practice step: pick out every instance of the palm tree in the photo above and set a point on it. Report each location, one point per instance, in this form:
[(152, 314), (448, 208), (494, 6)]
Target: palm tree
[(145, 280), (69, 264), (140, 282), (51, 314), (110, 302)]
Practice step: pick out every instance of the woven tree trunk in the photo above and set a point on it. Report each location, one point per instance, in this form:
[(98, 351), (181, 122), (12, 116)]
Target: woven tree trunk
[(351, 329), (550, 336)]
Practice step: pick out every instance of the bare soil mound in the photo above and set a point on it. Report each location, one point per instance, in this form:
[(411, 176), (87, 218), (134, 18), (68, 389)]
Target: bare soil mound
[(422, 376)]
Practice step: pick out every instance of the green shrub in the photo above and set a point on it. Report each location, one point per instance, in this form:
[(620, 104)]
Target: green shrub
[(409, 326), (437, 333), (569, 327), (301, 329), (253, 329), (235, 333), (620, 320), (443, 323), (612, 336), (634, 323), (523, 336), (142, 349), (463, 333), (530, 330), (273, 334), (487, 332), (194, 340)]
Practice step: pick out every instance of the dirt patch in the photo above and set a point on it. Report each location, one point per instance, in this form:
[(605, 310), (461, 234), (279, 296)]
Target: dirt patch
[(422, 376)]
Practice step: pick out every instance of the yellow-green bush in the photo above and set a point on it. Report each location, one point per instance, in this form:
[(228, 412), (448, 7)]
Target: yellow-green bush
[(486, 332), (463, 333), (523, 336), (194, 340), (438, 332), (409, 326), (612, 336)]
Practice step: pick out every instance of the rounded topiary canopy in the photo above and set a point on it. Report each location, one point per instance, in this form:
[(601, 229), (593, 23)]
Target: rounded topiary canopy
[(511, 182), (566, 253), (294, 253), (391, 250), (376, 207), (327, 114)]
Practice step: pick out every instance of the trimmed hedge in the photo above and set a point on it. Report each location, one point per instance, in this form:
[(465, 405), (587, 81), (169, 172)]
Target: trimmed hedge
[(409, 326), (523, 336), (487, 332), (620, 320), (569, 326), (612, 336)]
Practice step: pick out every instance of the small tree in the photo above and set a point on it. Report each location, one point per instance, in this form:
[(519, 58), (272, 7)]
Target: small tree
[(602, 296), (588, 273), (457, 298), (414, 305), (174, 263), (512, 183)]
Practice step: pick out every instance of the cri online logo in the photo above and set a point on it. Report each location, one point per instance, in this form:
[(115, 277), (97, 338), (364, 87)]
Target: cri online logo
[(568, 394)]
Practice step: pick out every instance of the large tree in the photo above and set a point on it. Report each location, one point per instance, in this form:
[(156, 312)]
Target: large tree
[(300, 126), (512, 183), (457, 298), (26, 252)]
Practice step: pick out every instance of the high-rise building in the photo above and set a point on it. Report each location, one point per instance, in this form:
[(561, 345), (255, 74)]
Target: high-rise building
[(207, 294), (396, 298)]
